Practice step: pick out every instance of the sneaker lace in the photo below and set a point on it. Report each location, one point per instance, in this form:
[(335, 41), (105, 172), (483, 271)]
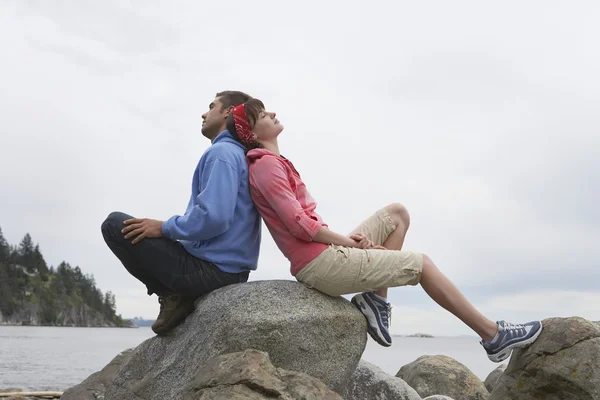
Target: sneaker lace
[(513, 329), (389, 311), (386, 314)]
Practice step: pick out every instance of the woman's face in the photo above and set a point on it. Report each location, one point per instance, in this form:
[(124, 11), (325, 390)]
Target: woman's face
[(267, 127)]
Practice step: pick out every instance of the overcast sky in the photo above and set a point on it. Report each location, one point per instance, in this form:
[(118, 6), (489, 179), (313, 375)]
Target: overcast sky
[(481, 118)]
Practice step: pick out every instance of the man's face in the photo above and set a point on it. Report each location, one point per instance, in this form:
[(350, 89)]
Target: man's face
[(213, 121)]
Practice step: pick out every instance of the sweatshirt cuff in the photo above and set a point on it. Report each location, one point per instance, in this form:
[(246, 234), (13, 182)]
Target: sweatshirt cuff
[(167, 227)]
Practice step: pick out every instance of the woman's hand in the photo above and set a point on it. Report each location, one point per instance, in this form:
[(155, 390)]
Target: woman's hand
[(363, 242)]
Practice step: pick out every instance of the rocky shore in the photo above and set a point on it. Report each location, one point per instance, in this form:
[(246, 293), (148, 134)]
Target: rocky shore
[(67, 316), (281, 340)]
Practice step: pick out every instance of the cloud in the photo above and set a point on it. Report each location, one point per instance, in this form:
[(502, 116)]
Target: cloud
[(481, 120)]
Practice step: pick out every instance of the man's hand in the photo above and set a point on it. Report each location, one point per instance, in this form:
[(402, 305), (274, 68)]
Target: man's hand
[(142, 228)]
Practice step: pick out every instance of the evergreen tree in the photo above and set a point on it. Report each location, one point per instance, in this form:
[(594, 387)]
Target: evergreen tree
[(26, 257), (4, 248), (7, 306), (39, 263)]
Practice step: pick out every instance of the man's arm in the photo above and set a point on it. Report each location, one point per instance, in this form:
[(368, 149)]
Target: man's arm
[(214, 211)]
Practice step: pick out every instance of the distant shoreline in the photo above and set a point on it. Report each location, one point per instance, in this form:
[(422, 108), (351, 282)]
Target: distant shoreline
[(133, 326)]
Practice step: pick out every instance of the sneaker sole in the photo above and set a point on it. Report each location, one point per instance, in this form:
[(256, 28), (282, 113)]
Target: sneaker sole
[(504, 354), (372, 325)]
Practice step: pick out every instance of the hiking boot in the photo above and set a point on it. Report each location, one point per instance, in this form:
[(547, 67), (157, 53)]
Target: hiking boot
[(378, 313), (174, 308), (511, 336)]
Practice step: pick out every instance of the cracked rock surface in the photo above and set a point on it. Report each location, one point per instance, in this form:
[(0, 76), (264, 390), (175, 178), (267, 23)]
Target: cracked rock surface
[(372, 383), (94, 386), (563, 363), (249, 375), (492, 379)]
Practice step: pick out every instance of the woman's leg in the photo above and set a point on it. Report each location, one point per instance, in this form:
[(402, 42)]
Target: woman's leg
[(443, 292), (387, 228), (499, 339), (395, 240)]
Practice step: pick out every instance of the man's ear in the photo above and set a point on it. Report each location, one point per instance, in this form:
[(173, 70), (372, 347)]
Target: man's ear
[(228, 111)]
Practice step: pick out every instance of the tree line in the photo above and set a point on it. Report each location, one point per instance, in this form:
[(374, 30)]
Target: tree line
[(26, 278)]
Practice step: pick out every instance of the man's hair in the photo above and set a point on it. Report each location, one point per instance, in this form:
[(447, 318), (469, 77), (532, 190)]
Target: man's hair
[(253, 108), (232, 98)]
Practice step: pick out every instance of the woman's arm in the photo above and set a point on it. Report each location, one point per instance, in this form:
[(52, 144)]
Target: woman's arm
[(324, 235), (269, 179)]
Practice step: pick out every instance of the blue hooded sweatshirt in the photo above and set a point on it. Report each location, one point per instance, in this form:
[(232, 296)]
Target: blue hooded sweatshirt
[(220, 224)]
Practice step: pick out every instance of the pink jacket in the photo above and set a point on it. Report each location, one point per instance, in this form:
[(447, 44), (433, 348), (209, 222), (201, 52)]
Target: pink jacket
[(286, 207)]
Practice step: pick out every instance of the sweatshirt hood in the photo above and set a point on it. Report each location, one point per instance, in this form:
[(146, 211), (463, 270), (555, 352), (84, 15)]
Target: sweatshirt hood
[(256, 154), (225, 137)]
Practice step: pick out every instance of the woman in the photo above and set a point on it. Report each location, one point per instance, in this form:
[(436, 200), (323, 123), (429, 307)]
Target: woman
[(369, 260)]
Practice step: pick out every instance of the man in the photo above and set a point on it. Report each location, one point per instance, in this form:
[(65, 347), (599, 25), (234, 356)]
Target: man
[(214, 244)]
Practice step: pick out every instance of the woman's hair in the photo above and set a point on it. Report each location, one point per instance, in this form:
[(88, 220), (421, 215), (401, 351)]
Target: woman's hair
[(253, 109)]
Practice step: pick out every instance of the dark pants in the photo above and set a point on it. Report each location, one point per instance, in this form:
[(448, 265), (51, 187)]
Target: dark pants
[(163, 265)]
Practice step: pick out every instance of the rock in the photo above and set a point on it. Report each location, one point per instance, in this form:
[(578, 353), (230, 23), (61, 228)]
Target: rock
[(95, 385), (563, 363), (370, 382), (430, 375), (26, 314), (301, 329), (250, 375), (492, 380), (438, 397)]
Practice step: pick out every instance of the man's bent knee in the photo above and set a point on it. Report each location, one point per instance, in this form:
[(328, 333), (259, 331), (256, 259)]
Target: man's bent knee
[(399, 214), (114, 223)]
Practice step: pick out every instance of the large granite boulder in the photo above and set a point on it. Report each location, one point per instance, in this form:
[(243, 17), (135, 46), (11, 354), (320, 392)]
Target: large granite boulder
[(249, 375), (95, 385), (443, 375), (371, 382), (563, 363), (494, 377), (301, 329)]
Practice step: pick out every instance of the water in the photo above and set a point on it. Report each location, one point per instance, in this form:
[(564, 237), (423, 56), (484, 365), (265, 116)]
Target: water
[(48, 358), (404, 350), (56, 358)]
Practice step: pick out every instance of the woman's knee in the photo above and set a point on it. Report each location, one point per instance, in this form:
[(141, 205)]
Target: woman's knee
[(399, 214), (427, 263)]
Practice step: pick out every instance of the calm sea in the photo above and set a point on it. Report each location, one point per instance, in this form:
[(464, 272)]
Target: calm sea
[(47, 358)]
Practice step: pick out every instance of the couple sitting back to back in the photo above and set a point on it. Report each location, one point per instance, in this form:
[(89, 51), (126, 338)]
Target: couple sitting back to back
[(242, 177)]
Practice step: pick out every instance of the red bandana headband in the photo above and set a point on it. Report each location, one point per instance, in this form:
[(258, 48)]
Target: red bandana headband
[(242, 127)]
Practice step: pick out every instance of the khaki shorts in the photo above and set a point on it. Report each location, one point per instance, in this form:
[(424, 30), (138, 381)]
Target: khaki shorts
[(344, 270)]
